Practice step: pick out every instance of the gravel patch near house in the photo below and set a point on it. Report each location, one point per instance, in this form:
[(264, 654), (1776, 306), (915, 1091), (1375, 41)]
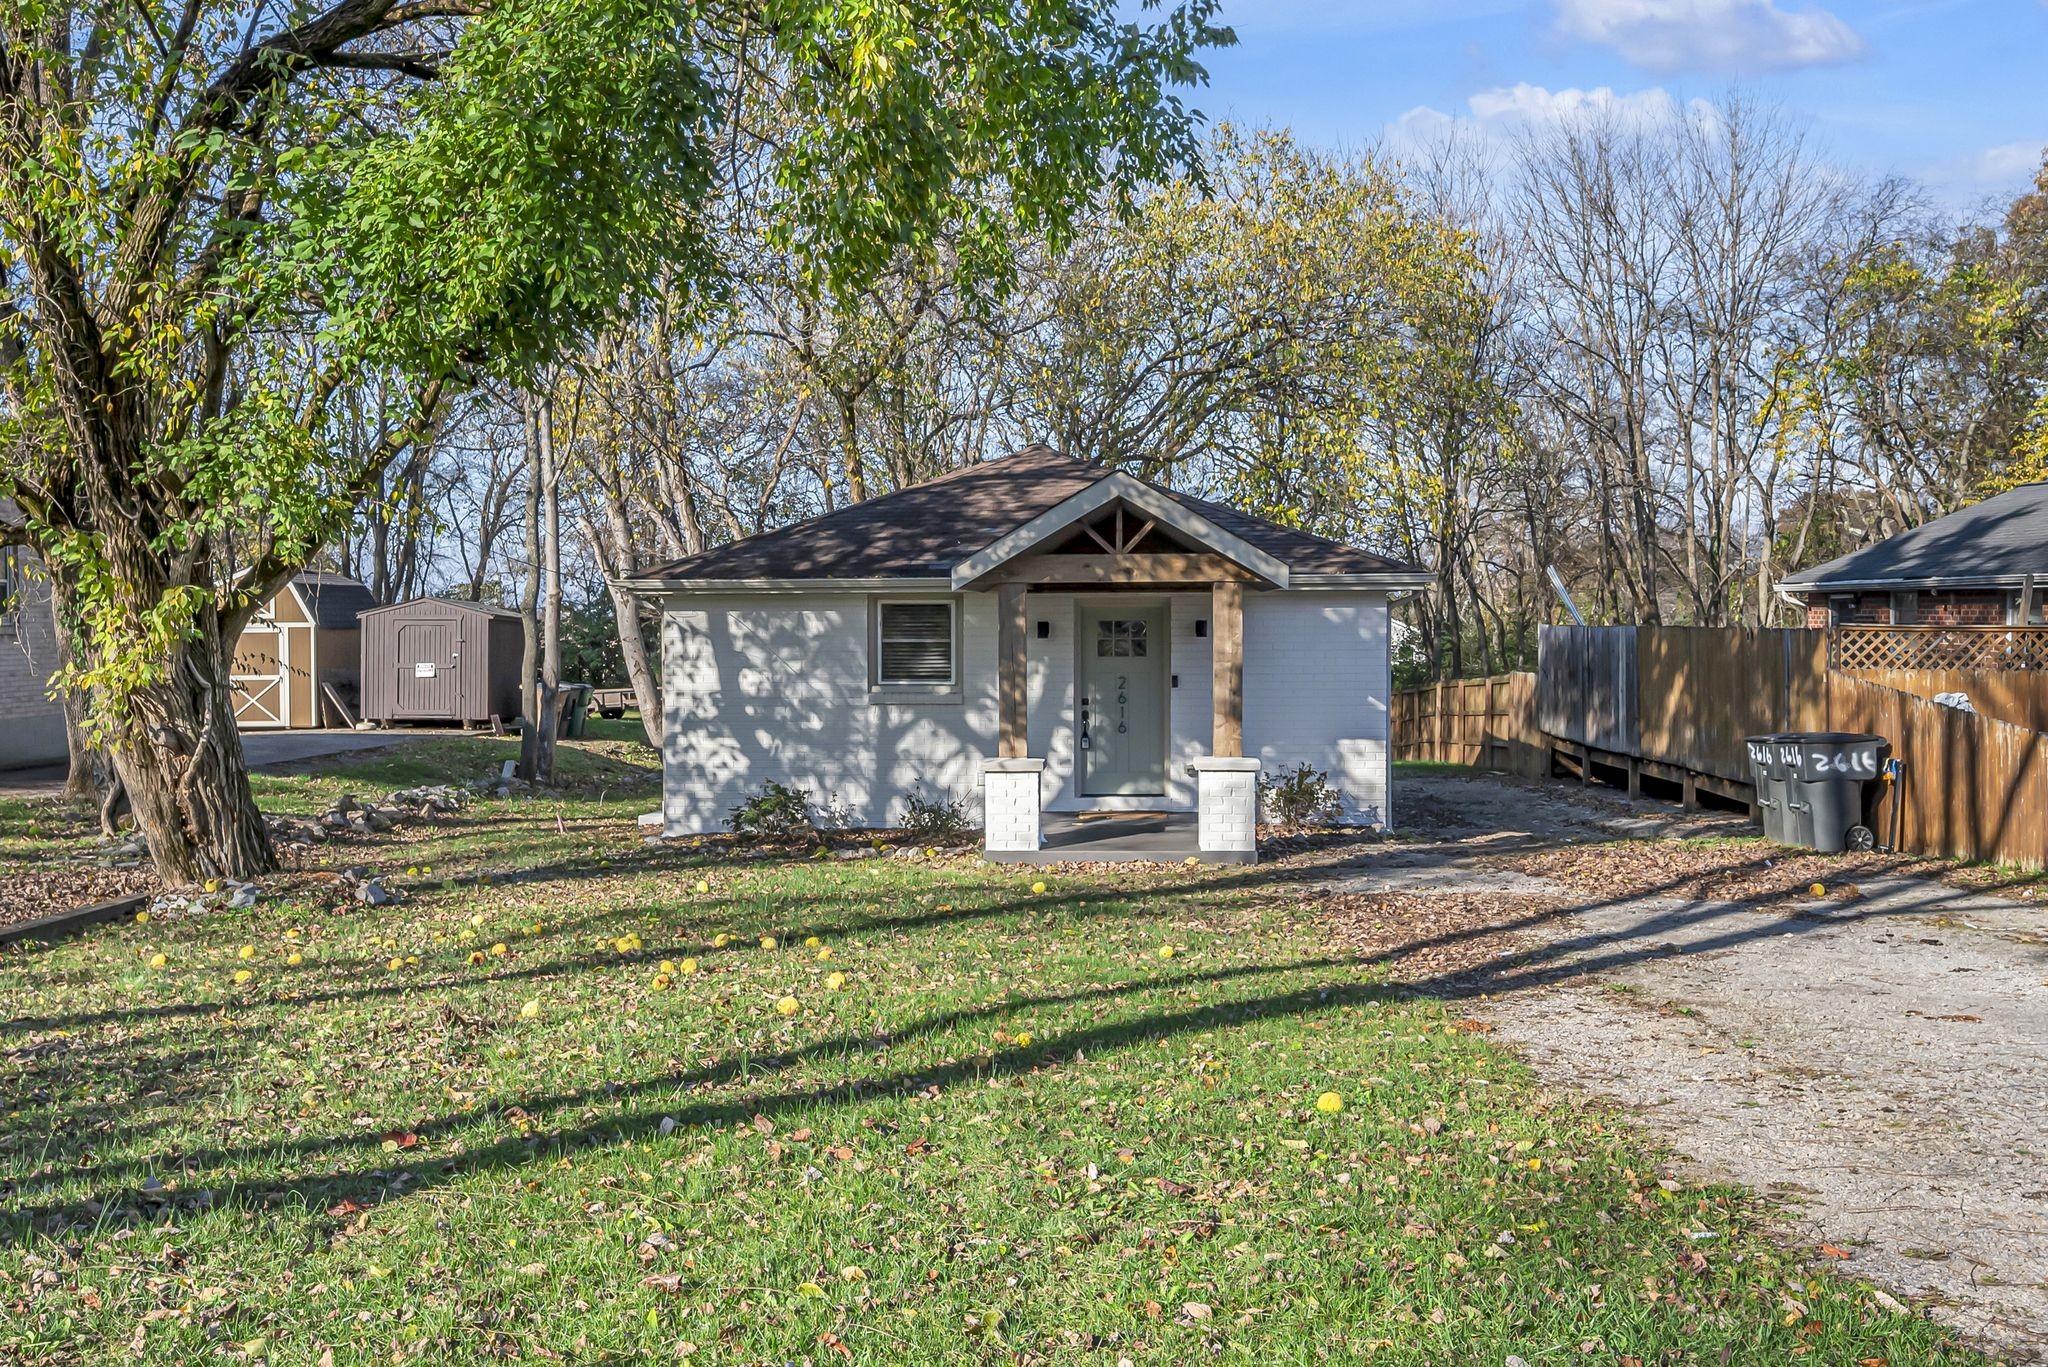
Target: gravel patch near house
[(1874, 1057)]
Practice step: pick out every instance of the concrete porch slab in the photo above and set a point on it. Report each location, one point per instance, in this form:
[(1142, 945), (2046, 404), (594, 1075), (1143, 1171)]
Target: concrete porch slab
[(1119, 837)]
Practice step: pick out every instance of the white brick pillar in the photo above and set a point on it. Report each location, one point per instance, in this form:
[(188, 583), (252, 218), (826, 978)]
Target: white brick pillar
[(1227, 809), (1009, 805)]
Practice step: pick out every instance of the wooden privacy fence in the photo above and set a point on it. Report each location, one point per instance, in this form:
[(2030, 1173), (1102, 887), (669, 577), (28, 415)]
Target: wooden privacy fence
[(1973, 787), (2019, 696), (1678, 701), (1486, 723)]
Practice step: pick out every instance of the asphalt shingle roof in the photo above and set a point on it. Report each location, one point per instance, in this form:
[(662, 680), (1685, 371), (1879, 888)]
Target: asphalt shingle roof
[(2002, 539), (334, 600), (923, 531)]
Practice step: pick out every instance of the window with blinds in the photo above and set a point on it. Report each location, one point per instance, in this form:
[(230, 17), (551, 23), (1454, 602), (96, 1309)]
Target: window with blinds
[(914, 643)]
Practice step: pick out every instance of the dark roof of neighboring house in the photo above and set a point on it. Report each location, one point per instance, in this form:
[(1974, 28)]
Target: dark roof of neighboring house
[(2001, 540), (924, 530), (334, 601)]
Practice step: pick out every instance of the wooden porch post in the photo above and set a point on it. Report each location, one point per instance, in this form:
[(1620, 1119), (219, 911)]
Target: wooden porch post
[(1013, 727), (1226, 653)]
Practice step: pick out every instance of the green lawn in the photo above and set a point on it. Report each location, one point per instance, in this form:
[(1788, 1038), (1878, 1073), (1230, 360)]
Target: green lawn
[(1019, 1131)]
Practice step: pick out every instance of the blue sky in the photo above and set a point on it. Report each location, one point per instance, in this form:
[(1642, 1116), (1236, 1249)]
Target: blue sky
[(1949, 92)]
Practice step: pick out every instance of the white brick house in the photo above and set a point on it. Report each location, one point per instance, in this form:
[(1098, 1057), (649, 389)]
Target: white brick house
[(33, 730), (1038, 633)]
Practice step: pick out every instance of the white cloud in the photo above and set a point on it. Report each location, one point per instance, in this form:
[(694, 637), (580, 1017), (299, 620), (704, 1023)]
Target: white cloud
[(2008, 166), (1495, 117), (1730, 37)]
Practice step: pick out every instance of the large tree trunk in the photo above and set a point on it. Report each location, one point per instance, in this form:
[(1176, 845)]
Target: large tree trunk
[(179, 757)]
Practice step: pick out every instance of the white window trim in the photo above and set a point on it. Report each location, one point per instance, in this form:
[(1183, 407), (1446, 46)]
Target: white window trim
[(883, 691)]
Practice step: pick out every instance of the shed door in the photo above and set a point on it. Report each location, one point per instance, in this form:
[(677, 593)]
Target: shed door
[(260, 676), (429, 678)]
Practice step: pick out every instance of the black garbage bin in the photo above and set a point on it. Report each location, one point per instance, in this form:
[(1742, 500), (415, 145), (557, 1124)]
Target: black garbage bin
[(1771, 773), (1830, 772)]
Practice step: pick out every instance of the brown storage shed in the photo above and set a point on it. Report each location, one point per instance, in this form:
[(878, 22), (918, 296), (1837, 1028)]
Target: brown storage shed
[(300, 653), (441, 660)]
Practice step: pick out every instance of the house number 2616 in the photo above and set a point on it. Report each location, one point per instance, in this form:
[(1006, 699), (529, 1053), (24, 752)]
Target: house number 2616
[(1123, 712)]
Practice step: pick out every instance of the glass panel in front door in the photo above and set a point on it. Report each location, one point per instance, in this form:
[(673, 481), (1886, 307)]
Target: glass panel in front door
[(1122, 702)]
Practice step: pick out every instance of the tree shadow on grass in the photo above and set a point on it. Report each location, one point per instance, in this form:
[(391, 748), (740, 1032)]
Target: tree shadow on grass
[(24, 1221)]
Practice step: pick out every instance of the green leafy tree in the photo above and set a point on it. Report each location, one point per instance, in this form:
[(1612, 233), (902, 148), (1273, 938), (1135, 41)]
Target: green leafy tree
[(218, 215)]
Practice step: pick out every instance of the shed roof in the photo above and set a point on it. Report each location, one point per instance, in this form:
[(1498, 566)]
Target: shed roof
[(1999, 541), (458, 604), (924, 531), (333, 601)]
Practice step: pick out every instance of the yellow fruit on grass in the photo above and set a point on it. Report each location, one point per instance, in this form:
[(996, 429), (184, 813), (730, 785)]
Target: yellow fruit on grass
[(767, 942), (788, 1006), (295, 958), (703, 886), (623, 944), (1038, 887), (476, 956), (1167, 951), (1023, 1039), (661, 982), (687, 966), (720, 940), (157, 961), (498, 950), (835, 981), (530, 1010), (243, 975), (141, 918), (667, 966), (1329, 1103), (1819, 889), (824, 952), (246, 952), (395, 964), (812, 942)]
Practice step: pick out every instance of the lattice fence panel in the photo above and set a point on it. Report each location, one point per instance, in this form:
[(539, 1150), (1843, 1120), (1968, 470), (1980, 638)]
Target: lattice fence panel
[(1938, 648)]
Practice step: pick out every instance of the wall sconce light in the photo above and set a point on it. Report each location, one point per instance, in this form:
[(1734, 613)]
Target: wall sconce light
[(1045, 631), (1201, 626)]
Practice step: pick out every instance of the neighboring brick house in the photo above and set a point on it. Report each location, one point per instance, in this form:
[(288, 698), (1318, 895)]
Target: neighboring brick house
[(31, 724), (1971, 568)]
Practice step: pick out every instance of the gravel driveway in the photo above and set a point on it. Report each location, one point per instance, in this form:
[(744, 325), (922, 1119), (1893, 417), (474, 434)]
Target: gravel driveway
[(1876, 1058)]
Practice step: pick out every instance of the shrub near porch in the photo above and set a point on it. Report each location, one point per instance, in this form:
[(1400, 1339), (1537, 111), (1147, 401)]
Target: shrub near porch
[(1143, 1115)]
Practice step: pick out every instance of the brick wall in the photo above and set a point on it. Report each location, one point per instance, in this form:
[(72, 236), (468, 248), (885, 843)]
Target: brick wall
[(33, 732), (1978, 608)]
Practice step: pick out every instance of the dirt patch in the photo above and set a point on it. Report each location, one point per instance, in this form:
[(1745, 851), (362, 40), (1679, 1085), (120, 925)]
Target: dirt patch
[(1427, 939), (1751, 873)]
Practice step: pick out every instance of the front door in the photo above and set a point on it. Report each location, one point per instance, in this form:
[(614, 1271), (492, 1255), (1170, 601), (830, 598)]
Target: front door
[(428, 682), (1120, 699)]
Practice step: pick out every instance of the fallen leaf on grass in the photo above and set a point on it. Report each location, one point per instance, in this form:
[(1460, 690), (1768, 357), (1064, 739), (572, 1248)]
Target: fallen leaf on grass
[(1832, 1251)]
